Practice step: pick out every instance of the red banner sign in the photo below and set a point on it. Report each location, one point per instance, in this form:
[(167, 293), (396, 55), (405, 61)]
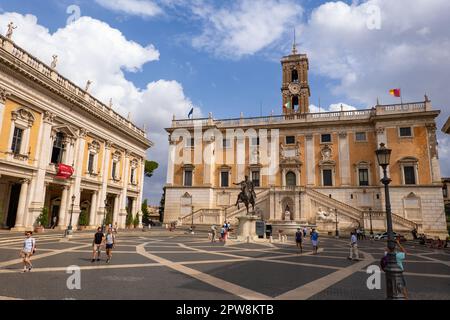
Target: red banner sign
[(64, 171)]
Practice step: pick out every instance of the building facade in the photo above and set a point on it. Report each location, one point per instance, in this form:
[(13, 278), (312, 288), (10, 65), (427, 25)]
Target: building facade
[(48, 125), (308, 168)]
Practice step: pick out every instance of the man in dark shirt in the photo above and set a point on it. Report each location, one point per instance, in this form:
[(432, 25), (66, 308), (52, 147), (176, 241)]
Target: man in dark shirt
[(98, 240)]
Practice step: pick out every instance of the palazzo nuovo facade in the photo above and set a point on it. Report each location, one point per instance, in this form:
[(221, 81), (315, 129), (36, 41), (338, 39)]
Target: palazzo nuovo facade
[(326, 171), (45, 121)]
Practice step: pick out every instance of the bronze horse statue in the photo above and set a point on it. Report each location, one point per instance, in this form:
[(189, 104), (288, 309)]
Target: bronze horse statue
[(247, 195)]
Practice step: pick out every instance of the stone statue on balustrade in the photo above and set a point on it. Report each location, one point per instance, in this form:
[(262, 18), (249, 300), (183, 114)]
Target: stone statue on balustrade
[(10, 31)]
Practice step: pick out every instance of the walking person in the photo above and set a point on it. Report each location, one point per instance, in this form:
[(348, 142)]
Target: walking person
[(97, 244), (110, 241), (299, 239), (400, 256), (29, 248), (315, 240), (305, 231), (353, 247), (213, 233)]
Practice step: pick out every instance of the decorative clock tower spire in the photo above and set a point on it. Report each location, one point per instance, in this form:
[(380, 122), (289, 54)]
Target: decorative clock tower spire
[(295, 88)]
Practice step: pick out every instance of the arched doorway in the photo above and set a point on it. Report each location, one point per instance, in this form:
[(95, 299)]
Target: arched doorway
[(13, 204)]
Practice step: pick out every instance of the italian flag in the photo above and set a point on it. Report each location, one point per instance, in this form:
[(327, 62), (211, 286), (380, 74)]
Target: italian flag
[(288, 105), (396, 92)]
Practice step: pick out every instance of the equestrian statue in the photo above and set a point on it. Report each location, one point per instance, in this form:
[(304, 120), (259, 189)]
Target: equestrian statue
[(247, 195)]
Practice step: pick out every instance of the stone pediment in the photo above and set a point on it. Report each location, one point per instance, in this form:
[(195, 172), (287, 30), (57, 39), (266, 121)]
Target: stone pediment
[(66, 129)]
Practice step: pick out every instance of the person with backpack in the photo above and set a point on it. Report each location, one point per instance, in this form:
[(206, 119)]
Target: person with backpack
[(299, 239), (353, 247), (110, 241), (97, 244), (29, 248), (315, 240), (400, 256)]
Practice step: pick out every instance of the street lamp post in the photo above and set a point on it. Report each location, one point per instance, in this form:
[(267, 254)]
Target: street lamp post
[(394, 274), (69, 228), (192, 222), (370, 217), (337, 229)]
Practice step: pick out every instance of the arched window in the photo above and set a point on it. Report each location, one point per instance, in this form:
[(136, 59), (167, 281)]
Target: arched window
[(295, 103), (291, 179), (294, 76)]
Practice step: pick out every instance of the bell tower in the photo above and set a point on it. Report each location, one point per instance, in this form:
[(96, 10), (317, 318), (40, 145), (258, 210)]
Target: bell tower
[(295, 87)]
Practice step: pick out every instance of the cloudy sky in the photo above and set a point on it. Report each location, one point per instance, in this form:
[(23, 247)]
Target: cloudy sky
[(157, 58)]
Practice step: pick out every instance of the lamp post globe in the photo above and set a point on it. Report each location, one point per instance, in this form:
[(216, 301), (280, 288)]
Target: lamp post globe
[(394, 274)]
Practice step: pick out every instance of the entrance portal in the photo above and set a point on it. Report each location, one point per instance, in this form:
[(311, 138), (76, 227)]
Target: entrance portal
[(13, 204)]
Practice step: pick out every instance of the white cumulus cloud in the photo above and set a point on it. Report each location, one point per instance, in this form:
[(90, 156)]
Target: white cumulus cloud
[(89, 49), (143, 8)]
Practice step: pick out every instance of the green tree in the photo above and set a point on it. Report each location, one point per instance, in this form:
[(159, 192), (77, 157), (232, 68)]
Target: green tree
[(145, 213), (161, 205), (150, 167), (129, 221), (42, 220), (136, 220), (83, 219)]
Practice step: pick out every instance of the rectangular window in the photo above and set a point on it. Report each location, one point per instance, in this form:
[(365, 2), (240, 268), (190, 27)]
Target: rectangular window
[(190, 143), (17, 140), (406, 132), (327, 178), (188, 178), (410, 175), (224, 183), (114, 169), (361, 136), (363, 177), (58, 148), (91, 163), (290, 140), (326, 138), (256, 179), (226, 143)]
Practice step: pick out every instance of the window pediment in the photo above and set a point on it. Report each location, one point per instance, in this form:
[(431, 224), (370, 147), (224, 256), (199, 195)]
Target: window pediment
[(24, 115), (67, 130)]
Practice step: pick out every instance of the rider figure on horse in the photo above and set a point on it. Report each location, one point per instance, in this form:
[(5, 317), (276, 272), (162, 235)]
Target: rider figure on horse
[(247, 188)]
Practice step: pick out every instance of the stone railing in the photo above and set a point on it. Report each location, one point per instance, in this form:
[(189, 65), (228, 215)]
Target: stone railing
[(11, 48), (306, 117)]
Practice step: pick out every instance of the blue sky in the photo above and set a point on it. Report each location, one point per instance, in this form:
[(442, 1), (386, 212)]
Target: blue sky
[(223, 56)]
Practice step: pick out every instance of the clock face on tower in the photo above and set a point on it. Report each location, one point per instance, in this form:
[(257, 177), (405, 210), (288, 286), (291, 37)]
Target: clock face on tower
[(294, 88)]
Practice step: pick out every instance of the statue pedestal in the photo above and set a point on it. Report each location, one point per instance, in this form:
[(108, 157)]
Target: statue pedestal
[(246, 231)]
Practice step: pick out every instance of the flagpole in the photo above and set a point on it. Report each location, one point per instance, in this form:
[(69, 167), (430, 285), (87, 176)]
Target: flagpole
[(401, 96)]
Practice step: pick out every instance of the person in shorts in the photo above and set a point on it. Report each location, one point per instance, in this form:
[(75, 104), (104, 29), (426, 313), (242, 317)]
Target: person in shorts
[(110, 241), (315, 240), (299, 239), (29, 248), (96, 245)]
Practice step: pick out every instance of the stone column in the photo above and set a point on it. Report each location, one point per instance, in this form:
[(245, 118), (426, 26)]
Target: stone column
[(93, 210), (433, 154), (105, 175), (125, 176), (171, 162), (344, 159), (209, 162), (62, 223), (283, 177), (297, 207), (20, 217), (310, 161), (141, 191), (240, 159), (116, 210), (45, 148), (3, 96)]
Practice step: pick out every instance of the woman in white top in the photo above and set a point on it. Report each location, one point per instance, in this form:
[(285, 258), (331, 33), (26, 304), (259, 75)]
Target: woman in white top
[(29, 247)]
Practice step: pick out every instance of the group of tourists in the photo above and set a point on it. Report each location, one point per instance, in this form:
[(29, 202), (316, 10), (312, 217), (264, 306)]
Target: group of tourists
[(301, 234), (224, 232)]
